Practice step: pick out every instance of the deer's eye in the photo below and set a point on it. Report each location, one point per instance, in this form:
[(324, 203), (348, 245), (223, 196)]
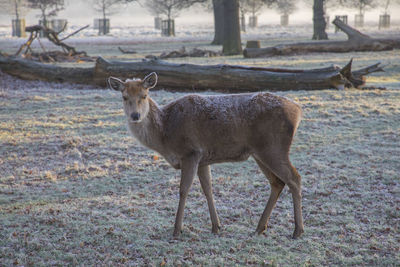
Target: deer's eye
[(144, 97), (125, 98)]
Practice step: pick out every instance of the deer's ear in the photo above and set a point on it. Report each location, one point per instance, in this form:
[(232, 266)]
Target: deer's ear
[(150, 80), (116, 84)]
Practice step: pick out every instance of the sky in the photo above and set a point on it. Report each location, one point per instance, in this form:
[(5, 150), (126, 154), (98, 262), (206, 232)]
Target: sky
[(82, 13)]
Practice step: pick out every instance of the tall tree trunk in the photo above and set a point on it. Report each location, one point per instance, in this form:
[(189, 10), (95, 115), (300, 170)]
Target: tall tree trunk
[(44, 17), (104, 12), (243, 21), (232, 44), (16, 9), (218, 22), (169, 13), (319, 21)]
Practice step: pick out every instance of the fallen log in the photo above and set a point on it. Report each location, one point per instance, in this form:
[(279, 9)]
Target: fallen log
[(32, 70), (219, 77), (231, 78), (356, 36), (356, 42), (190, 77), (356, 79)]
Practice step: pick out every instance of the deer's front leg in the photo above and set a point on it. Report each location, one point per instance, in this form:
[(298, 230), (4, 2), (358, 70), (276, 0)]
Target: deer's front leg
[(189, 167)]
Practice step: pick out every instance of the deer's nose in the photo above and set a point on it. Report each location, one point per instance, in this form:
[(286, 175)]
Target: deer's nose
[(135, 116)]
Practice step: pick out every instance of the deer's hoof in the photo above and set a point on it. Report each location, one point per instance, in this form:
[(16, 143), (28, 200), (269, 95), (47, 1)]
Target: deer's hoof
[(215, 229), (259, 230), (297, 233), (177, 233)]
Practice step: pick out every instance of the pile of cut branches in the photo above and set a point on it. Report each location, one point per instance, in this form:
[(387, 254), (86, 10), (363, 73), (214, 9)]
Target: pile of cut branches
[(68, 53), (58, 56), (195, 52)]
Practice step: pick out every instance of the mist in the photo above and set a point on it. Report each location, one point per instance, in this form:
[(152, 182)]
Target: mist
[(79, 13)]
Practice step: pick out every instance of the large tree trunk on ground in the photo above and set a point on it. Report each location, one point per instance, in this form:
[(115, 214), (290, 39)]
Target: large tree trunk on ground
[(361, 39), (189, 77), (220, 77), (218, 22), (232, 43), (231, 78), (32, 70), (319, 21), (357, 41), (315, 47)]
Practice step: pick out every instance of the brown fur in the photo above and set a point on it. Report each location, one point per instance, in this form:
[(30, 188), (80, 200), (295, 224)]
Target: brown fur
[(196, 131)]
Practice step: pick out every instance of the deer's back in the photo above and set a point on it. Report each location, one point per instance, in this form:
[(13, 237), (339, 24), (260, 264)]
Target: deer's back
[(228, 127)]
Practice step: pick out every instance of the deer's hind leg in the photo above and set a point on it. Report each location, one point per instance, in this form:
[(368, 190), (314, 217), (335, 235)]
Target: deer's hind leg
[(276, 188), (204, 173), (278, 163)]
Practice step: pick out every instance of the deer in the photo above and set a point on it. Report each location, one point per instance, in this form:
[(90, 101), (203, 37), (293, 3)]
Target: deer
[(196, 131)]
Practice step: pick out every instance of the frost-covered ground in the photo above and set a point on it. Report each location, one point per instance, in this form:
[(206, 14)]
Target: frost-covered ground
[(142, 37), (76, 189)]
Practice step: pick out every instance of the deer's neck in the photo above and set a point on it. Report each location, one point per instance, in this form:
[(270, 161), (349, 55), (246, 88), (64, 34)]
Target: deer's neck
[(149, 130)]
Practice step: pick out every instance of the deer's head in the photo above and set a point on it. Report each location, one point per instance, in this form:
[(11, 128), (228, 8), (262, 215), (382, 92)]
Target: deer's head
[(134, 95)]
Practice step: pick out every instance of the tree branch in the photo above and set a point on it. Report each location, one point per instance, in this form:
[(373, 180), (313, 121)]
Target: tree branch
[(75, 32)]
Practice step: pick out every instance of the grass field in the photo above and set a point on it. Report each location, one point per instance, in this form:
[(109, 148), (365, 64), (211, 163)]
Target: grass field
[(76, 189)]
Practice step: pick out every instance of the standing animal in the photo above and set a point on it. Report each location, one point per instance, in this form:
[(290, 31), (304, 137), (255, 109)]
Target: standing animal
[(195, 131)]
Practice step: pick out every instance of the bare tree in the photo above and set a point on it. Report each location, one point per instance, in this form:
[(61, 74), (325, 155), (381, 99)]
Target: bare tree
[(106, 7), (285, 7), (48, 8), (361, 5), (248, 6), (252, 6), (17, 8), (169, 8), (242, 15), (386, 4)]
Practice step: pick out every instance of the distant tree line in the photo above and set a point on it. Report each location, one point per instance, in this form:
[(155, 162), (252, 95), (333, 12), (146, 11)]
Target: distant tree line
[(226, 12)]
